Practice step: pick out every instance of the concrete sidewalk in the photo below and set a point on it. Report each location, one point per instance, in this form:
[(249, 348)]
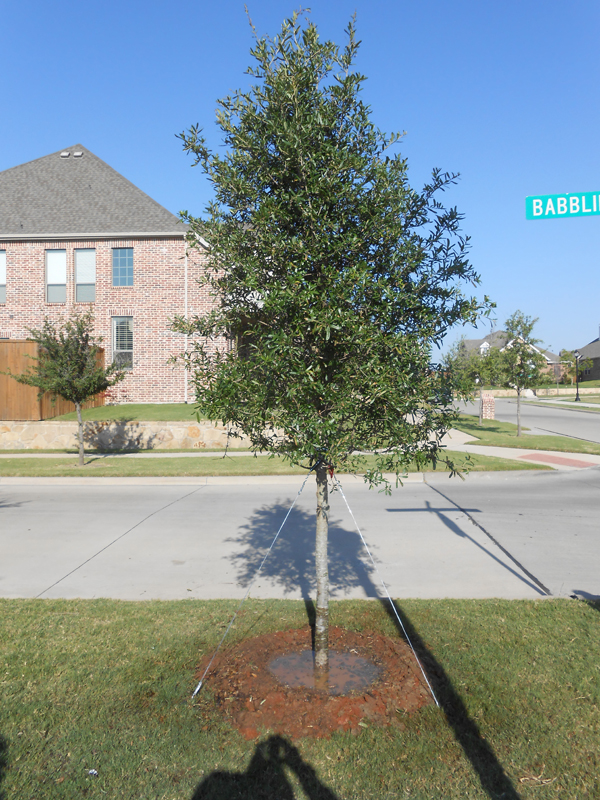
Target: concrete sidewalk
[(150, 541), (495, 534), (463, 443)]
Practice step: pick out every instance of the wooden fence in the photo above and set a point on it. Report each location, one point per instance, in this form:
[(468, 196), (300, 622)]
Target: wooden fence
[(18, 401)]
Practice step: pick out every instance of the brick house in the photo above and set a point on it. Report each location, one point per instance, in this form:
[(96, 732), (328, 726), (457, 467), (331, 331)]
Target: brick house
[(591, 351), (75, 233)]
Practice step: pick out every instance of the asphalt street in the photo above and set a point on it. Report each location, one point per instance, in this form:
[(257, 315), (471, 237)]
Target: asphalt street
[(578, 423), (511, 535)]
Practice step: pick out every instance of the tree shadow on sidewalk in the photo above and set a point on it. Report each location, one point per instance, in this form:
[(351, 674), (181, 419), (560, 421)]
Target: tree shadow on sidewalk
[(291, 564), (16, 504), (266, 778)]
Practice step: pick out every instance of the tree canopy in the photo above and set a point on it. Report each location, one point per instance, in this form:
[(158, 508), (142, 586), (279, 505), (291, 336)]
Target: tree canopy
[(333, 276)]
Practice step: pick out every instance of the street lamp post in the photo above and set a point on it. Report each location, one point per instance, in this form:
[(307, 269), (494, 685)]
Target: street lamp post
[(577, 355)]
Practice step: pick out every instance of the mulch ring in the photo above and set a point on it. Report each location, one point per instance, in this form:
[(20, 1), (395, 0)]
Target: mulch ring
[(252, 698)]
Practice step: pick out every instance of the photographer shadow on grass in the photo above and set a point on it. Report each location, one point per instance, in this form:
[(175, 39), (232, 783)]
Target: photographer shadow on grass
[(266, 777), (291, 564), (3, 764)]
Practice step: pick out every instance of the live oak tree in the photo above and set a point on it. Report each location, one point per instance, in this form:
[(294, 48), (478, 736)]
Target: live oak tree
[(522, 362), (332, 277), (67, 364)]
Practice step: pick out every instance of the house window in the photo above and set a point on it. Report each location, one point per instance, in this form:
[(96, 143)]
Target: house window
[(122, 341), (85, 276), (56, 276), (123, 266), (2, 276)]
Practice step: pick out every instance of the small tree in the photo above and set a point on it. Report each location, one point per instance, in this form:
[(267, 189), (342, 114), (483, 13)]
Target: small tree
[(470, 371), (67, 364), (333, 276), (569, 364), (457, 364), (522, 362)]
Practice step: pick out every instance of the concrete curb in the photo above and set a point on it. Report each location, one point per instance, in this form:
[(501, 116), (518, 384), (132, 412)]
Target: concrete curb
[(217, 480)]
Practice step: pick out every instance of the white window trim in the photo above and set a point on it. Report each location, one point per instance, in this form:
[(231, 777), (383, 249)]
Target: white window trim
[(54, 270), (2, 277), (84, 268), (116, 352)]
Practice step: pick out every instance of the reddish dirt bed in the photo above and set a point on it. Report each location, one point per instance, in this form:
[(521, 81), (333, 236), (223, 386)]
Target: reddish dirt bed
[(253, 699)]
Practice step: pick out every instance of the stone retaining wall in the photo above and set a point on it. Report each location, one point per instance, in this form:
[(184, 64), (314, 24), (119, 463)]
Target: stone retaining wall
[(548, 392), (116, 435)]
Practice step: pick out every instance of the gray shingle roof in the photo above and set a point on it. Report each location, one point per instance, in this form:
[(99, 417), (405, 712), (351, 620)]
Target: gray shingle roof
[(500, 339), (58, 196), (591, 350), (494, 339)]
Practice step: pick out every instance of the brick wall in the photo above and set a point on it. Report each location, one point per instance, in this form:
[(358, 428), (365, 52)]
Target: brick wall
[(157, 295)]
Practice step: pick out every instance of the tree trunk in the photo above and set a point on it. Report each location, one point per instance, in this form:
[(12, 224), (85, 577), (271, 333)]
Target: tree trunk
[(518, 412), (481, 406), (322, 611), (80, 433)]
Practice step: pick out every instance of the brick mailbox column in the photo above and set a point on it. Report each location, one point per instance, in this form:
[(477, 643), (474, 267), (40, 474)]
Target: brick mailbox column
[(488, 401)]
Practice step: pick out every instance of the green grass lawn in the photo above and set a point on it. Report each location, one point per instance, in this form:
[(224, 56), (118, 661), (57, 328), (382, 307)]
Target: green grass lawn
[(106, 466), (589, 384), (559, 404), (544, 387), (163, 412), (584, 398), (146, 412), (561, 386), (504, 434), (105, 685)]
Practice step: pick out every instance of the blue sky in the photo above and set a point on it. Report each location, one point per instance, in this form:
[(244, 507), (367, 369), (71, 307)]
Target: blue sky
[(504, 93)]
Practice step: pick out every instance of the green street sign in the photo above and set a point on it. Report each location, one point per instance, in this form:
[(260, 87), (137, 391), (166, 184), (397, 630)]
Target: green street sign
[(552, 206)]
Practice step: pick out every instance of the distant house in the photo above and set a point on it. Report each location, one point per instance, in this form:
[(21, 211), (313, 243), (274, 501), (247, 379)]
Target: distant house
[(75, 233), (495, 339), (499, 339), (591, 351)]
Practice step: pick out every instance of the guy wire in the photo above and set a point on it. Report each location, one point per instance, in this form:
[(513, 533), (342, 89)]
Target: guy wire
[(392, 604), (197, 689)]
